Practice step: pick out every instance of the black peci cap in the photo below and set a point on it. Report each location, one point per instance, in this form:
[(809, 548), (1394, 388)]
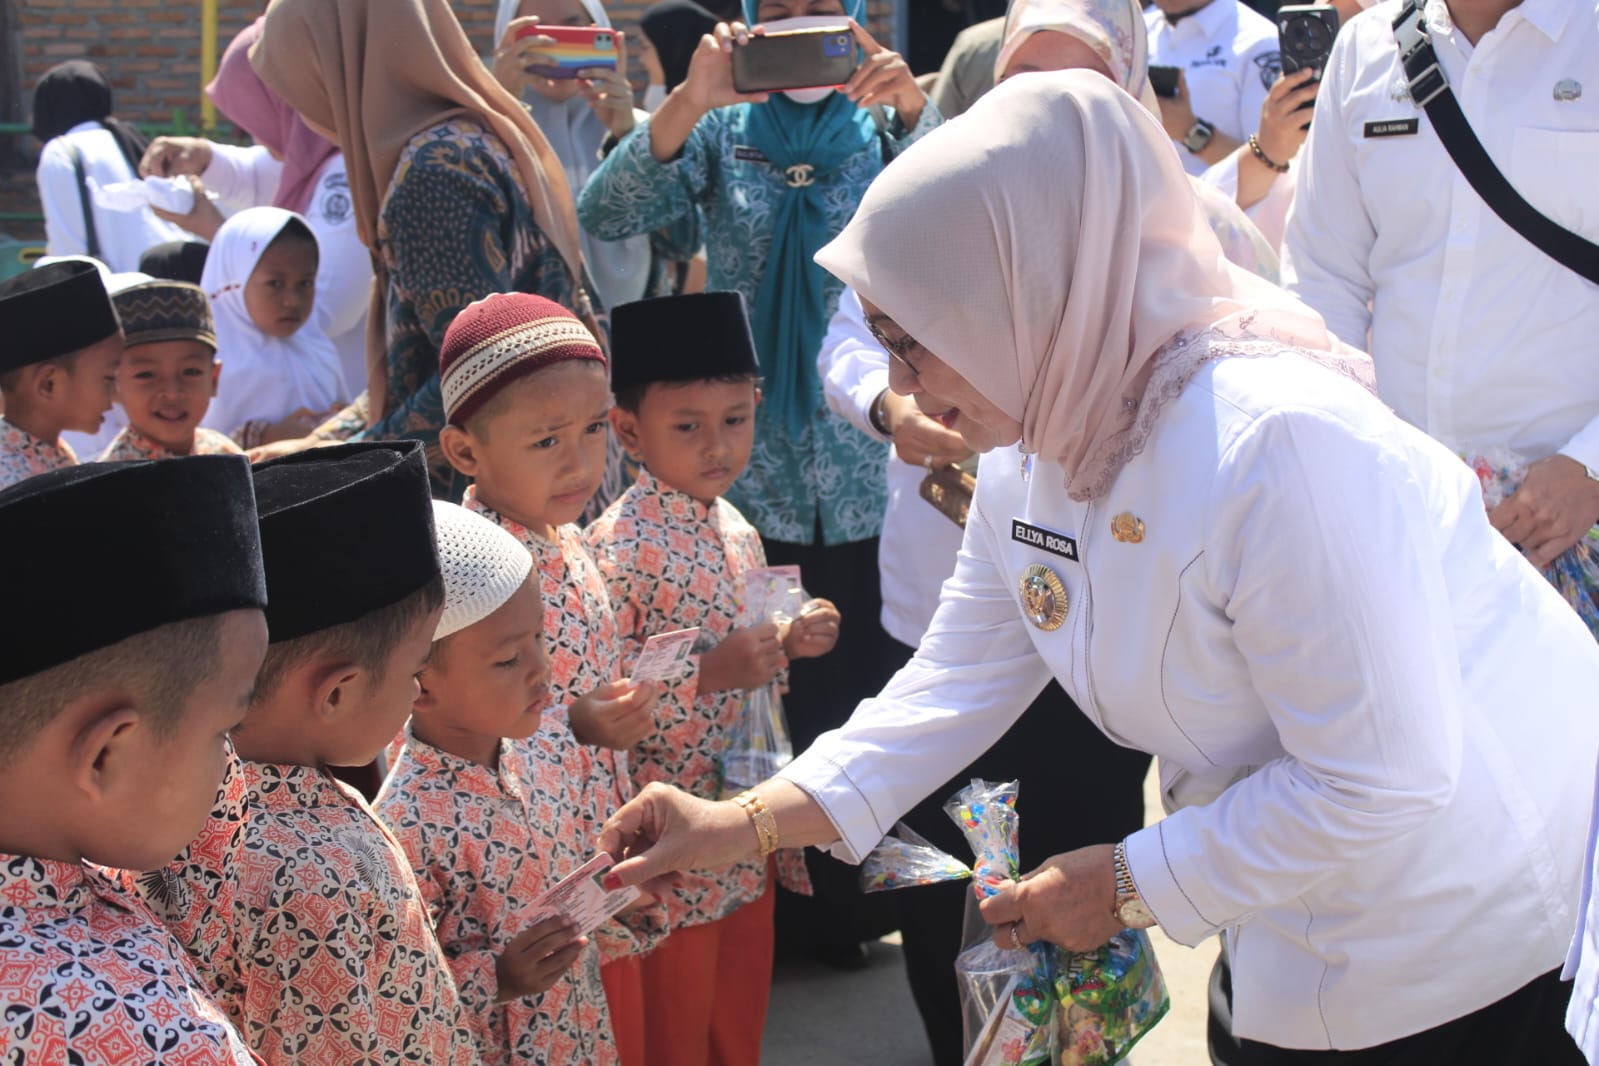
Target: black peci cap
[(345, 531), (187, 546), (698, 337), (51, 311)]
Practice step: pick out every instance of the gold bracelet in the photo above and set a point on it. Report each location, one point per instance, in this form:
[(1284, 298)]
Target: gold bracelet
[(761, 818)]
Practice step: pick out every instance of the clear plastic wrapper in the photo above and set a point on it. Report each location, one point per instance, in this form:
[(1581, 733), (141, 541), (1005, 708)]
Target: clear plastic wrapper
[(759, 745), (1575, 572), (1042, 1004)]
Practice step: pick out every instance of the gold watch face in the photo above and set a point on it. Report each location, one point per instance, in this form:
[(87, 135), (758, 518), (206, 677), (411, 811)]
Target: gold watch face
[(1134, 914)]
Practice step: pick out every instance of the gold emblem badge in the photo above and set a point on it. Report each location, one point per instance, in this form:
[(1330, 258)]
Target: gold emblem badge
[(1044, 599), (1127, 528)]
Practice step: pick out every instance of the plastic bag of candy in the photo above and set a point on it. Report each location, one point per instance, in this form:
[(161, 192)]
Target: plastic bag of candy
[(1042, 1004), (1575, 572), (758, 746)]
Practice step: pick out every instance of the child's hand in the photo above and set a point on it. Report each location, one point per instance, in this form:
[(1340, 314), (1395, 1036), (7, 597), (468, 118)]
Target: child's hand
[(748, 659), (616, 715), (814, 632), (536, 958)]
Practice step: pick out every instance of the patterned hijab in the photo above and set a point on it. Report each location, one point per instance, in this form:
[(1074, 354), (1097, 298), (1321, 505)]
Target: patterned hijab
[(1068, 255)]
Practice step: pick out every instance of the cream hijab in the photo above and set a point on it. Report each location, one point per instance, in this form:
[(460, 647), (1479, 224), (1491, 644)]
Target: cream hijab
[(377, 73), (1114, 29), (1067, 255)]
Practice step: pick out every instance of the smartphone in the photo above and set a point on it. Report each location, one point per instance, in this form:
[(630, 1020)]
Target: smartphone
[(576, 48), (1163, 80), (795, 59), (1305, 34)]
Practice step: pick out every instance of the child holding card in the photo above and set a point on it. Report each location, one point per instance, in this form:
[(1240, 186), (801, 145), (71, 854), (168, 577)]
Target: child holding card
[(525, 398), (486, 810), (676, 554)]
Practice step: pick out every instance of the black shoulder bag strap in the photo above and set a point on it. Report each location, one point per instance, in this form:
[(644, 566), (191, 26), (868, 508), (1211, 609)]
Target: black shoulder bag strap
[(91, 238), (1431, 91)]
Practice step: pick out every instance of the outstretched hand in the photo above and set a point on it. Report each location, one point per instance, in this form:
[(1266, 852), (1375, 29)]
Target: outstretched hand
[(664, 830)]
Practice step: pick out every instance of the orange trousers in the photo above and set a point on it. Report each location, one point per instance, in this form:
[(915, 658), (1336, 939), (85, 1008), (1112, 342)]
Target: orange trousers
[(624, 994), (706, 988)]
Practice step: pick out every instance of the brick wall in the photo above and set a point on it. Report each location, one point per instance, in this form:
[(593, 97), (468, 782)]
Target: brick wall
[(150, 49)]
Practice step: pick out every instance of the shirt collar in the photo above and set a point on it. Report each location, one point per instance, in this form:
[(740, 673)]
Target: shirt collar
[(279, 785), (529, 538), (436, 761), (678, 503), (1548, 17), (1208, 20), (23, 439), (28, 882)]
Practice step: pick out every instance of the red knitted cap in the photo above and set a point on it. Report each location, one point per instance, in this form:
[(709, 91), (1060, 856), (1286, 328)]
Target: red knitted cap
[(502, 338)]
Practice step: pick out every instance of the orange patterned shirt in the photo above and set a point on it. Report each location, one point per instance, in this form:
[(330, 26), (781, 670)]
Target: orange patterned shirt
[(22, 455), (671, 563), (88, 975), (131, 444)]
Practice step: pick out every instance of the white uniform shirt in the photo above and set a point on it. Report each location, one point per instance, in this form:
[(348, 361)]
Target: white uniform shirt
[(248, 177), (123, 235), (916, 551), (1478, 337), (1228, 54), (1374, 718)]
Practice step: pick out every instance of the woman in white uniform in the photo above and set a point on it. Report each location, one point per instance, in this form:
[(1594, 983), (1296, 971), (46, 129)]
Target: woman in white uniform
[(290, 166), (1373, 717)]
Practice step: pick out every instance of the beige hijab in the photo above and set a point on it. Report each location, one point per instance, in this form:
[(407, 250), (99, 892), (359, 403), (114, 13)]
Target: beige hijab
[(1055, 277), (377, 73)]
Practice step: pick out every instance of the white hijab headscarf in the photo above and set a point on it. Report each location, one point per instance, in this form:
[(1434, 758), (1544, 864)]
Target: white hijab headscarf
[(620, 269), (1068, 253), (263, 377)]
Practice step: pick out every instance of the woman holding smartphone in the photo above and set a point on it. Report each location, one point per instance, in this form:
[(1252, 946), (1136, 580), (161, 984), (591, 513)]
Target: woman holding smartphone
[(775, 176)]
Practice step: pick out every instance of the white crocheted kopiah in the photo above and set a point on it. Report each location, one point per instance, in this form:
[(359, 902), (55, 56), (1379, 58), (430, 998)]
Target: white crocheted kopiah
[(483, 566), (504, 350)]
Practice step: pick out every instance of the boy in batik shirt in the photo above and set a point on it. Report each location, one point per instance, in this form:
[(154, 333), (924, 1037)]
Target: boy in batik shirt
[(112, 736), (484, 815), (57, 366), (674, 555), (526, 400), (168, 373), (329, 955)]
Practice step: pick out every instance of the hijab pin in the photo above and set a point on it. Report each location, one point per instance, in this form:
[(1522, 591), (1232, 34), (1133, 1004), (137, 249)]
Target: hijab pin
[(1127, 528), (1027, 466)]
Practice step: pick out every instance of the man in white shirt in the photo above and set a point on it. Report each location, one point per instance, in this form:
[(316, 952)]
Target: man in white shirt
[(1228, 59), (1479, 337)]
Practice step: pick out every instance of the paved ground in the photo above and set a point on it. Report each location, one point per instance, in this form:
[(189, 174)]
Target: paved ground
[(823, 1018)]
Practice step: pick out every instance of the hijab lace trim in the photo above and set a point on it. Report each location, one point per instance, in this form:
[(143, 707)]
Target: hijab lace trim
[(1178, 362)]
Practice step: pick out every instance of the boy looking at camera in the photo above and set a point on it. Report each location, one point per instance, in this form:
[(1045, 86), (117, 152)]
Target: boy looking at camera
[(674, 555), (113, 733)]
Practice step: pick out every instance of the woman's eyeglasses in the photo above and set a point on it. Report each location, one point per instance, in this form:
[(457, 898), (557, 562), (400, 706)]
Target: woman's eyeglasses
[(895, 350)]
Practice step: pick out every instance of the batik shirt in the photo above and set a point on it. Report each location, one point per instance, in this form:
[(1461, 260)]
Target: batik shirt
[(831, 475), (581, 640), (22, 455), (670, 562), (131, 444), (87, 975), (485, 843), (333, 954)]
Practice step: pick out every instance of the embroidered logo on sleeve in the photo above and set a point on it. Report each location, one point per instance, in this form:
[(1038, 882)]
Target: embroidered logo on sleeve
[(1270, 65)]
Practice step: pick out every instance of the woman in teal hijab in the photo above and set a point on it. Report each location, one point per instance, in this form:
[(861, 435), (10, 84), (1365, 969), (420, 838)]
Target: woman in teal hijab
[(776, 176)]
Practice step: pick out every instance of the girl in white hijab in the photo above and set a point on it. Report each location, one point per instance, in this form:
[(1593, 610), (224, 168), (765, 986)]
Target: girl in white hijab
[(1373, 716), (280, 373)]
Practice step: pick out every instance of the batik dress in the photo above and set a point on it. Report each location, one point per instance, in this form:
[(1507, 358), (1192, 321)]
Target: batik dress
[(580, 636), (334, 960), (485, 843), (670, 562), (22, 455), (87, 975), (131, 444)]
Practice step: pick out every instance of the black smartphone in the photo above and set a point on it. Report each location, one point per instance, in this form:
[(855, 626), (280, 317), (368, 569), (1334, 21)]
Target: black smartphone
[(1305, 34), (796, 59), (1163, 80)]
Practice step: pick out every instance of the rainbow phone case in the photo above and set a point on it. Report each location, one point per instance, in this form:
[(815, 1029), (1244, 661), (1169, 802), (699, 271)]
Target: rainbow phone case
[(577, 48)]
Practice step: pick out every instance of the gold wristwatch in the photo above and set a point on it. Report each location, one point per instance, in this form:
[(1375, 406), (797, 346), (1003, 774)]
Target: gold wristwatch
[(1131, 910)]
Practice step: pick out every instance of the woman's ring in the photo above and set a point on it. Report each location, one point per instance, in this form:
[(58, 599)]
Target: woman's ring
[(1016, 936), (927, 461)]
